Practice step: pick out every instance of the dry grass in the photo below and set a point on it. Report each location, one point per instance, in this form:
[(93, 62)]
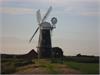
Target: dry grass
[(46, 67)]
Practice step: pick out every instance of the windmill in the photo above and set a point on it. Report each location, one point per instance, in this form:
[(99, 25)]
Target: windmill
[(44, 48)]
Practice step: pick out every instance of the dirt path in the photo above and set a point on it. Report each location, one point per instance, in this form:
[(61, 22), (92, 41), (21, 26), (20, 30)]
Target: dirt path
[(52, 69)]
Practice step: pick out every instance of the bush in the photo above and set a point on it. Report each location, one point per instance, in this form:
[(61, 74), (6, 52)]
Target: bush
[(8, 68), (23, 63), (57, 60)]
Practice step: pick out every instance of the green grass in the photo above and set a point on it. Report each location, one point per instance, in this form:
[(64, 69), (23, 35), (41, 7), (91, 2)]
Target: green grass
[(50, 68), (10, 66), (84, 68), (48, 65)]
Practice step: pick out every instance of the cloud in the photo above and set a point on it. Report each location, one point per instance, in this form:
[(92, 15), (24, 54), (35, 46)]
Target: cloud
[(51, 1), (11, 10), (90, 13), (66, 6)]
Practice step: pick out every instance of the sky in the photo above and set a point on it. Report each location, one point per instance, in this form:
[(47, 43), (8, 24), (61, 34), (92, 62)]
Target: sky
[(77, 30)]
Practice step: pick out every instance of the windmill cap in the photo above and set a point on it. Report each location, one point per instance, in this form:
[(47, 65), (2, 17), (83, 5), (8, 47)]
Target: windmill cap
[(45, 25)]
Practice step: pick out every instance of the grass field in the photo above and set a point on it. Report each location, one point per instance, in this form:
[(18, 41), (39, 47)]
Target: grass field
[(84, 68), (49, 67)]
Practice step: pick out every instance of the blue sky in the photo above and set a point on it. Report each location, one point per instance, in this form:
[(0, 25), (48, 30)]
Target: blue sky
[(77, 30)]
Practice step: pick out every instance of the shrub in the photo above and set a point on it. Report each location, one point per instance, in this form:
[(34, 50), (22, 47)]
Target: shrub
[(23, 63), (8, 68)]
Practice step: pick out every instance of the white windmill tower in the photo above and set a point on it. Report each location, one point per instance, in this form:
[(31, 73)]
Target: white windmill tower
[(44, 48)]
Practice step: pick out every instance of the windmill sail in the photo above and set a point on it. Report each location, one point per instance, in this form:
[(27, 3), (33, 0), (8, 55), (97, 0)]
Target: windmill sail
[(34, 34), (38, 15), (46, 15)]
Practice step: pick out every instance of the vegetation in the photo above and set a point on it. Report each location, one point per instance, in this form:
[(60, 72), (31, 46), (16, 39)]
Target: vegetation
[(9, 66), (82, 59), (52, 66), (47, 64), (84, 68)]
